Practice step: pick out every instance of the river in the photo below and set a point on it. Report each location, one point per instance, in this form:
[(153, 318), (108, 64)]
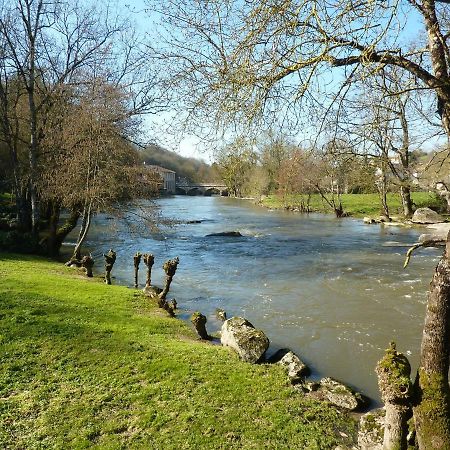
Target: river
[(332, 290)]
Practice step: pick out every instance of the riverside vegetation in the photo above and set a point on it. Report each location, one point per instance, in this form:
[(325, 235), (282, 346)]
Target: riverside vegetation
[(86, 365), (355, 205)]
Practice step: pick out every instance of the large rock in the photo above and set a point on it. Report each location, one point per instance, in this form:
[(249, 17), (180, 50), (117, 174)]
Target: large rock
[(426, 215), (152, 291), (296, 368), (341, 395), (241, 335), (371, 430), (226, 234)]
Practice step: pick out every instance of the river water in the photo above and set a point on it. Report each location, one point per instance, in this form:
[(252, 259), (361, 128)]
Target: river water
[(332, 290)]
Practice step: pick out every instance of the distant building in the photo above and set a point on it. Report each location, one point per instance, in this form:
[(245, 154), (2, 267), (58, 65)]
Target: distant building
[(167, 177)]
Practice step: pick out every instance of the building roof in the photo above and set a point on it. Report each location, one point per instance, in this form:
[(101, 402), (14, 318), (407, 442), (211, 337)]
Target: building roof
[(158, 168)]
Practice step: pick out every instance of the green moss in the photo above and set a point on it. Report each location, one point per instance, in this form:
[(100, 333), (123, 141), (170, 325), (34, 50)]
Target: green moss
[(394, 375), (432, 413)]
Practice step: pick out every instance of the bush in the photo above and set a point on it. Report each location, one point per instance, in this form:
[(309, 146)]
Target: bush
[(14, 241)]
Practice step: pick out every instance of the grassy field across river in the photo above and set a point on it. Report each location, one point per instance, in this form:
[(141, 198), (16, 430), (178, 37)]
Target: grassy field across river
[(85, 365), (356, 205)]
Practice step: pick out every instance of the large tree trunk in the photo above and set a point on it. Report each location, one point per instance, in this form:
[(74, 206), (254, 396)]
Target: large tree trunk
[(23, 213), (432, 405), (405, 193), (58, 234)]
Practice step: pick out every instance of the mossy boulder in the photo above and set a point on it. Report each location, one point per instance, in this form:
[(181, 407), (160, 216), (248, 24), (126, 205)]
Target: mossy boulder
[(297, 370), (152, 291), (341, 395), (371, 430), (239, 334)]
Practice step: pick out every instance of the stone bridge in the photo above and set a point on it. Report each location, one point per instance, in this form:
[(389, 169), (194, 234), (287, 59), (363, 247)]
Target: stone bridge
[(206, 189)]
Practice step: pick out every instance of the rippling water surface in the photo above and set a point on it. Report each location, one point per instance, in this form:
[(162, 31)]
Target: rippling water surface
[(332, 290)]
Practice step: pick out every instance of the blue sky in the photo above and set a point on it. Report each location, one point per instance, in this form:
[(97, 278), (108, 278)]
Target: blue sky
[(188, 145)]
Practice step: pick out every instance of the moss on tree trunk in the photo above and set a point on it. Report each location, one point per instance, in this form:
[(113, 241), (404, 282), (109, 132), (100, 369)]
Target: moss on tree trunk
[(432, 403)]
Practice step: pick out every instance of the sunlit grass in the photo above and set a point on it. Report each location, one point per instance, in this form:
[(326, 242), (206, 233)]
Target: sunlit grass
[(357, 205), (85, 365)]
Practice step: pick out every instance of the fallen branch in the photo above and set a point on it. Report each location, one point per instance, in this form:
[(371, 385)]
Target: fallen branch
[(436, 242)]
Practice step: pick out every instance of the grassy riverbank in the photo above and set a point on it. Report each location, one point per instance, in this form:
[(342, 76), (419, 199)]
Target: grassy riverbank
[(356, 205), (85, 365)]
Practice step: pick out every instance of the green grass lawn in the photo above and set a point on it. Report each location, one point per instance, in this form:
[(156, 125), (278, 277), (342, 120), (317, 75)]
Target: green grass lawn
[(357, 205), (85, 365)]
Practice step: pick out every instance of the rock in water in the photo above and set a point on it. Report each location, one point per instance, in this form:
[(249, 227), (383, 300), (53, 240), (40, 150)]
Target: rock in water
[(226, 234), (341, 395), (239, 334), (426, 215)]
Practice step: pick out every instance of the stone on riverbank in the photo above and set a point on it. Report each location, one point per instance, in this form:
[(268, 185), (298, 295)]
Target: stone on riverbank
[(426, 215), (296, 368), (152, 291), (340, 395), (371, 430), (239, 334)]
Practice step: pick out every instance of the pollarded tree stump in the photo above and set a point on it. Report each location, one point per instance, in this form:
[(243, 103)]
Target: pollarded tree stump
[(87, 262), (136, 262), (149, 260), (396, 389), (170, 267), (110, 259), (199, 322)]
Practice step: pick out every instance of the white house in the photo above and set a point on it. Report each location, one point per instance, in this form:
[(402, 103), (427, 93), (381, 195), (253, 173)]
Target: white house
[(167, 176)]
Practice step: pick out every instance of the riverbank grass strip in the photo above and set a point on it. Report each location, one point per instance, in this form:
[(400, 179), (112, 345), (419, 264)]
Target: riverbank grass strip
[(356, 205), (85, 365)]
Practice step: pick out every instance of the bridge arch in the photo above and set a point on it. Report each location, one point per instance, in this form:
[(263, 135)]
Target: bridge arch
[(194, 191), (212, 191)]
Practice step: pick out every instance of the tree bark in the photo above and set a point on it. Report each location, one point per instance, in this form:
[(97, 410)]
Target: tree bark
[(110, 259), (396, 388), (87, 263), (57, 235), (432, 402), (170, 267), (136, 261), (199, 322), (405, 193), (149, 260), (85, 225)]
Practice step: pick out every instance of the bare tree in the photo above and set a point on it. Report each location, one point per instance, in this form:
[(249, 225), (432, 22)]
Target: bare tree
[(52, 50), (89, 165)]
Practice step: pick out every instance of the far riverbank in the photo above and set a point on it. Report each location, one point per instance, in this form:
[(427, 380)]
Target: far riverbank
[(355, 205)]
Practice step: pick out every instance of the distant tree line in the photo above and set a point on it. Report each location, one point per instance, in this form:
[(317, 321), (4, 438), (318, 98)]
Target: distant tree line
[(71, 92)]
